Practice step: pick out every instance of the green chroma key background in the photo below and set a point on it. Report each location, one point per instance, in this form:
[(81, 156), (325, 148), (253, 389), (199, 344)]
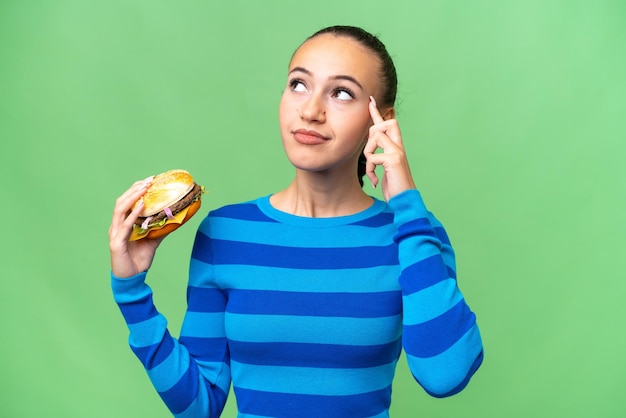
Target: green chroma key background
[(513, 114)]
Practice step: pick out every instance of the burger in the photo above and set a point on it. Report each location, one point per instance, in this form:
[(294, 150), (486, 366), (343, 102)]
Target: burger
[(172, 199)]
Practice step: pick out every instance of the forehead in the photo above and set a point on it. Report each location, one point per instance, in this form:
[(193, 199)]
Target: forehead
[(330, 55)]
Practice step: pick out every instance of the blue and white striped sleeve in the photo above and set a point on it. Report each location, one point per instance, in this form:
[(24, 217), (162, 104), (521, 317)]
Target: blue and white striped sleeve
[(182, 371), (440, 335)]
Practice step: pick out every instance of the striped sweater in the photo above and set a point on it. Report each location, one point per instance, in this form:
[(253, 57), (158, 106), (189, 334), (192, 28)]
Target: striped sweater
[(307, 316)]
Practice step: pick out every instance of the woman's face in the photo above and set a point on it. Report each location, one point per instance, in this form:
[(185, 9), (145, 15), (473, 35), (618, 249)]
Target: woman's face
[(324, 116)]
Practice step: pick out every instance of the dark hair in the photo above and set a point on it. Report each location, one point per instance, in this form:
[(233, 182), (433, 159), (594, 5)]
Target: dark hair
[(388, 74)]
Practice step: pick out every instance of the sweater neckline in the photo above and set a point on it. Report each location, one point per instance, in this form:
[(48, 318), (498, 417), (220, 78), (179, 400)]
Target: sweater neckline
[(266, 207)]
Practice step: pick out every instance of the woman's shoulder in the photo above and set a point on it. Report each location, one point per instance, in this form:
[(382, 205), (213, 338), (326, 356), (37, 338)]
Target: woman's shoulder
[(246, 210)]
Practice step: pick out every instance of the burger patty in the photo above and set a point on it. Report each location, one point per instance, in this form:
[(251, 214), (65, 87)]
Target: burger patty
[(176, 207)]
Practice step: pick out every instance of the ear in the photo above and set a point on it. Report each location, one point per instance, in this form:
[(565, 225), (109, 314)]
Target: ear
[(390, 113)]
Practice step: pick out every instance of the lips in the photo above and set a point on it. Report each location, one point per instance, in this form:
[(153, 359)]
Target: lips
[(309, 137)]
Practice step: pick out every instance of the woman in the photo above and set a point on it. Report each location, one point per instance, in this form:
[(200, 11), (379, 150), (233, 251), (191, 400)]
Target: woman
[(305, 298)]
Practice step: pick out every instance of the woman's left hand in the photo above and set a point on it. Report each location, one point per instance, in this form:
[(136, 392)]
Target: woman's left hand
[(385, 134)]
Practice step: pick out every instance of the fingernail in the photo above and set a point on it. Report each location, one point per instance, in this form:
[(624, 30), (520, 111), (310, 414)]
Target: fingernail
[(148, 181), (372, 100)]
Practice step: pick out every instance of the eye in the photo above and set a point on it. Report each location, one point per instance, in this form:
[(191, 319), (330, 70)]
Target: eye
[(343, 94), (297, 85)]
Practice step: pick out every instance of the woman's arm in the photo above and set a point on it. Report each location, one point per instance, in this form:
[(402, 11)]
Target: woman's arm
[(190, 374), (190, 384), (440, 335)]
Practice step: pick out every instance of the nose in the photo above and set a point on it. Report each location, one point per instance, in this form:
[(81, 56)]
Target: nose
[(313, 109)]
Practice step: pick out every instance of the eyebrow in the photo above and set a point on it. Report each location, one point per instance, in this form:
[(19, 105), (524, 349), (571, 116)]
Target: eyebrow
[(336, 77)]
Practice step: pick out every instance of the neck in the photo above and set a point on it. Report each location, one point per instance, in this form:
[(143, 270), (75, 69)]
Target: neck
[(312, 195)]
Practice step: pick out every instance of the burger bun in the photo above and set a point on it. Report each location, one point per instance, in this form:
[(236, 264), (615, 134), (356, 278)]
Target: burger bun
[(172, 198)]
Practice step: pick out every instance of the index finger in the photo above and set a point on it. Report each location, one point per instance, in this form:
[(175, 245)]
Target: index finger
[(374, 112), (125, 202)]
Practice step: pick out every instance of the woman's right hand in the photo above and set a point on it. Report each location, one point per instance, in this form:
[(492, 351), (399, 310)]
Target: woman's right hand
[(130, 257)]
